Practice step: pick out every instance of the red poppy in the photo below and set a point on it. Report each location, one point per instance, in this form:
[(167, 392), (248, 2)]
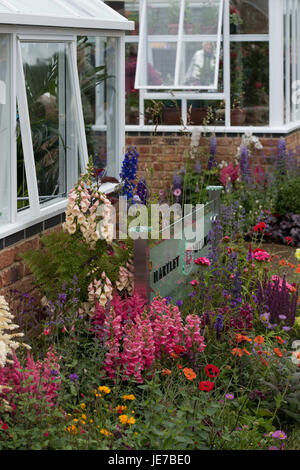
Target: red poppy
[(212, 371), (4, 426), (206, 386)]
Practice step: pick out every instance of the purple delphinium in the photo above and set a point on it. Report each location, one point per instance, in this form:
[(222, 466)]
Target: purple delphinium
[(245, 165), (128, 172), (142, 191), (212, 154)]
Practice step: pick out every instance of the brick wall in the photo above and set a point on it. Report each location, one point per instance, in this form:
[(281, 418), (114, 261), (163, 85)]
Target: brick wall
[(14, 274), (165, 152), (162, 152)]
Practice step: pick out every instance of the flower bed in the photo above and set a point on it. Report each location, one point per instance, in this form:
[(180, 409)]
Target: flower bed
[(218, 370)]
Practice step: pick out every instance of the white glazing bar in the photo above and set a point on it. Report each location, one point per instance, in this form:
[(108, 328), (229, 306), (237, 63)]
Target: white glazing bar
[(179, 44), (294, 57), (184, 116), (26, 136), (298, 56), (120, 127), (220, 22), (143, 46), (276, 98), (184, 95), (226, 61), (287, 63), (13, 126), (142, 108), (78, 106)]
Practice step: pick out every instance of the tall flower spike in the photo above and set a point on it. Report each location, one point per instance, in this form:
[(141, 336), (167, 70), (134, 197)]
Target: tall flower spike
[(7, 340)]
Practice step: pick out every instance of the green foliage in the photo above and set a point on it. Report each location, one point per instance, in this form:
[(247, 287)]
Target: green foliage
[(63, 256), (288, 196)]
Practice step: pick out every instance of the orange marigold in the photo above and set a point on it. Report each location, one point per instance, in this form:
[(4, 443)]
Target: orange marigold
[(279, 339)]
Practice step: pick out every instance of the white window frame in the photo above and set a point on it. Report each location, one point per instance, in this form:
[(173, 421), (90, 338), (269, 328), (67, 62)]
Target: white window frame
[(179, 39), (35, 213)]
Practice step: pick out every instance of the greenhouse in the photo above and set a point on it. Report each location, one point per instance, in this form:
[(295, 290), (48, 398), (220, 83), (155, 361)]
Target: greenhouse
[(150, 227)]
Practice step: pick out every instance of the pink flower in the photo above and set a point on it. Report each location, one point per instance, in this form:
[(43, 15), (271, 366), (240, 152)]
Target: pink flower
[(177, 192), (202, 261), (47, 331), (194, 282), (261, 255)]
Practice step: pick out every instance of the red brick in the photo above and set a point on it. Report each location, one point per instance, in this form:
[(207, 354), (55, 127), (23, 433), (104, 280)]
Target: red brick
[(7, 257)]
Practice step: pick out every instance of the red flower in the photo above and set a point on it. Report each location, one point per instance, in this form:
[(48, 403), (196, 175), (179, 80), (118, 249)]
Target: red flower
[(260, 227), (212, 371), (206, 386), (179, 349), (4, 426), (289, 240), (258, 85)]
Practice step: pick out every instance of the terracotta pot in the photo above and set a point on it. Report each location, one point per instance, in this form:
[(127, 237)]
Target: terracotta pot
[(189, 28), (238, 117), (198, 115), (173, 28), (171, 116)]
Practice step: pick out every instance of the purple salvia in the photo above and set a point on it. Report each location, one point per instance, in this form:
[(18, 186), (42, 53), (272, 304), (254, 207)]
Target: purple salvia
[(212, 154), (198, 167), (281, 157), (245, 164)]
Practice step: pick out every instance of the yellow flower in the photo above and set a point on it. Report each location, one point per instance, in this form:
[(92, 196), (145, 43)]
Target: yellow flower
[(104, 389), (83, 422), (128, 397), (75, 420), (297, 254), (72, 429), (83, 406), (131, 420), (105, 432), (91, 421), (123, 419), (83, 416)]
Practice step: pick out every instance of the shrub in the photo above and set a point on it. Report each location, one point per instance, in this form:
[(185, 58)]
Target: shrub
[(288, 197)]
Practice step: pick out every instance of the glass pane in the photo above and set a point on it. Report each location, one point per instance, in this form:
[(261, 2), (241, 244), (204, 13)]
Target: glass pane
[(249, 83), (198, 63), (249, 16), (161, 65), (97, 75), (163, 17), (22, 188), (167, 112), (206, 113), (132, 95), (52, 117), (5, 136), (201, 17)]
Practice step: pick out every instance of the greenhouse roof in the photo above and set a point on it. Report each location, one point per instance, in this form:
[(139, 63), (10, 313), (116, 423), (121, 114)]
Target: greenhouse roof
[(88, 14)]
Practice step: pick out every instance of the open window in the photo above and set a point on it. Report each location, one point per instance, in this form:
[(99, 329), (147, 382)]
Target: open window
[(51, 131), (179, 46)]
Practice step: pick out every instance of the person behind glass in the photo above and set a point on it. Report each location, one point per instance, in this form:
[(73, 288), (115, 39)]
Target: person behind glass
[(202, 67)]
